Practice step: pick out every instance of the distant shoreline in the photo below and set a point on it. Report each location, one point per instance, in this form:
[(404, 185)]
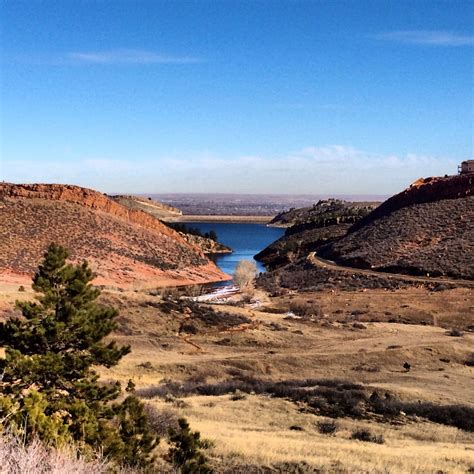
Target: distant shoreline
[(221, 219)]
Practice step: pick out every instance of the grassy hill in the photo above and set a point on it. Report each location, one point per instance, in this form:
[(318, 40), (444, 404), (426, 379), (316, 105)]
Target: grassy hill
[(426, 229), (127, 247)]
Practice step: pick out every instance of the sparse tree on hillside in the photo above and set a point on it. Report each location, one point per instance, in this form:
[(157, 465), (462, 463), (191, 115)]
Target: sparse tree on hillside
[(49, 388), (213, 235), (244, 275)]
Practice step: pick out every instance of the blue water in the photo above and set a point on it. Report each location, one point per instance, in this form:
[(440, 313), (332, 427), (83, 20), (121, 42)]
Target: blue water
[(245, 240)]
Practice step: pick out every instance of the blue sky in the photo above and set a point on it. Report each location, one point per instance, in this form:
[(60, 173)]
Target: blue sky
[(356, 97)]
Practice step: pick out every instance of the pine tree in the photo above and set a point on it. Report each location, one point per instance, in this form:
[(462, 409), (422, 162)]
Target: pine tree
[(186, 450), (49, 388)]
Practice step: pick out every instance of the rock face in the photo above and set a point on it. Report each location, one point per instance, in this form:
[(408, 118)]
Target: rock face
[(128, 248), (324, 213), (426, 229), (423, 190)]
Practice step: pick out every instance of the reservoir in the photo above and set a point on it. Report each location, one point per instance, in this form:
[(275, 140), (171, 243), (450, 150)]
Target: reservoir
[(246, 240)]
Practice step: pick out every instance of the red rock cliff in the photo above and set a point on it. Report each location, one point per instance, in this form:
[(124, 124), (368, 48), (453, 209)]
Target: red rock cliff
[(85, 197), (128, 247), (422, 191)]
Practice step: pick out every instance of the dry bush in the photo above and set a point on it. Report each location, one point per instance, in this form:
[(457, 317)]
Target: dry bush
[(328, 397), (161, 421), (244, 275), (35, 458), (169, 293), (193, 290), (367, 436), (305, 309), (470, 360), (327, 427), (202, 315)]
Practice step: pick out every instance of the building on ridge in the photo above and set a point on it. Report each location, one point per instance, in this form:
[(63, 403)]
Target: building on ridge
[(466, 167)]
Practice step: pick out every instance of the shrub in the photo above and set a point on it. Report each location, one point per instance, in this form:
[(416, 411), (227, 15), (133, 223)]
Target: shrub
[(161, 421), (244, 275), (327, 427), (327, 397), (460, 416), (186, 229), (193, 290), (304, 309), (170, 293), (367, 436), (470, 360), (238, 395), (296, 428), (35, 457), (455, 333), (147, 365), (21, 288)]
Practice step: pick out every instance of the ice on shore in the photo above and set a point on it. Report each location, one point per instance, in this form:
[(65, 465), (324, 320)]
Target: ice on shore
[(218, 295)]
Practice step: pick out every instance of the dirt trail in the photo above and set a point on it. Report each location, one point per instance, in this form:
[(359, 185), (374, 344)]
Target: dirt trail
[(321, 262)]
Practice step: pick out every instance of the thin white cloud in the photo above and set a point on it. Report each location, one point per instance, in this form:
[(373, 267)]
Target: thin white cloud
[(129, 56), (332, 169), (427, 37)]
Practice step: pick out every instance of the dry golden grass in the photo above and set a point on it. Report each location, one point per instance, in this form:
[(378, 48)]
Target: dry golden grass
[(256, 430), (449, 308)]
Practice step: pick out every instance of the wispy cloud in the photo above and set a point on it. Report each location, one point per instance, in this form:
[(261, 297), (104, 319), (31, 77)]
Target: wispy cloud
[(332, 169), (129, 56), (427, 37)]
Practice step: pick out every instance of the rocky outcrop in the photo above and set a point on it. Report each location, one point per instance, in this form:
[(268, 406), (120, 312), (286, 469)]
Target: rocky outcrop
[(422, 191), (84, 197), (310, 227), (208, 246), (426, 229), (324, 213), (155, 208), (128, 248)]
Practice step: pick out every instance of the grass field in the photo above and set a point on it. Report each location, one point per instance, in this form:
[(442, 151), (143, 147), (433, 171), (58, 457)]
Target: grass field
[(344, 335)]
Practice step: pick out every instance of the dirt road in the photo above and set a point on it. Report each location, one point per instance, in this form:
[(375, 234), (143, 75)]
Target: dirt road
[(321, 262)]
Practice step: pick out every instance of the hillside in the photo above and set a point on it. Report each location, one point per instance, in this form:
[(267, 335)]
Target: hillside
[(207, 246), (164, 212), (128, 248), (310, 227), (426, 229), (155, 208), (324, 213)]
